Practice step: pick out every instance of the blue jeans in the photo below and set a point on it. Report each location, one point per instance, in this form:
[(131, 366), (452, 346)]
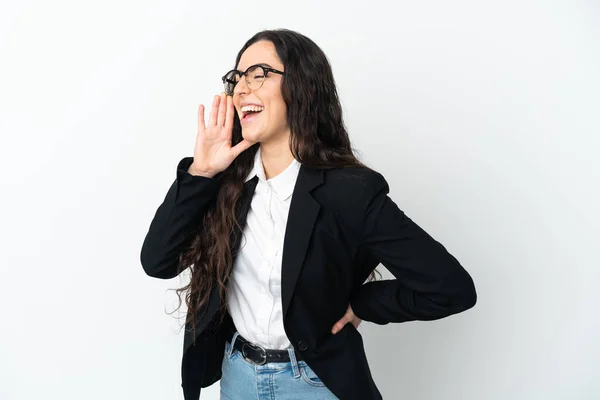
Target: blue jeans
[(244, 380)]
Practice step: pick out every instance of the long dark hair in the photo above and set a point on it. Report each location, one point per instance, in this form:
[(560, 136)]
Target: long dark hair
[(318, 139)]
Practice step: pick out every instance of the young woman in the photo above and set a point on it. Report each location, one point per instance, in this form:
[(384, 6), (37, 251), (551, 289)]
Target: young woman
[(280, 226)]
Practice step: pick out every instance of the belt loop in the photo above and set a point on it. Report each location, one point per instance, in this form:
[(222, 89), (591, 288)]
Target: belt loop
[(294, 362), (235, 335)]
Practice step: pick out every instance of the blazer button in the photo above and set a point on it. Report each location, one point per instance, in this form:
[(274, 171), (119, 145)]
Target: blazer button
[(302, 345)]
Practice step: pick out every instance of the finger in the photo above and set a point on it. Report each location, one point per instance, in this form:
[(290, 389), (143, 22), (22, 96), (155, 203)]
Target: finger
[(213, 111), (201, 125), (241, 146), (222, 109), (230, 114), (339, 325), (349, 314)]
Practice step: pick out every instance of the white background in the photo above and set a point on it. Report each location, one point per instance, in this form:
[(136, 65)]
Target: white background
[(482, 116)]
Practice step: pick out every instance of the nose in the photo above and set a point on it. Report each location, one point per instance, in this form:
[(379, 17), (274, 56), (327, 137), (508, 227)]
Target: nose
[(241, 87)]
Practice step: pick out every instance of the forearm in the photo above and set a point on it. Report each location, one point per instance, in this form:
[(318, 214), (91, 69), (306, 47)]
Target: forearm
[(170, 231), (386, 301)]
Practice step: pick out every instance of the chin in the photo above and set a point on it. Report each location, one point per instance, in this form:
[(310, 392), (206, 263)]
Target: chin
[(256, 135), (250, 135)]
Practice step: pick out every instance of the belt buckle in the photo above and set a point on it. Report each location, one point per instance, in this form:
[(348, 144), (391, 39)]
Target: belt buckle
[(262, 352)]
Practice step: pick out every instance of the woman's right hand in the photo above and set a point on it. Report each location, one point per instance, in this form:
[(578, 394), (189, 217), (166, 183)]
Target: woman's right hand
[(213, 152)]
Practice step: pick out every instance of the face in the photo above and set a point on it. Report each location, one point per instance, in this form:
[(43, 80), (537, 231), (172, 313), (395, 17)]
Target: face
[(262, 112)]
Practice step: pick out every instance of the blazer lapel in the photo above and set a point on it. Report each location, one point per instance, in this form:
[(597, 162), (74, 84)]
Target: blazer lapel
[(241, 213), (301, 219)]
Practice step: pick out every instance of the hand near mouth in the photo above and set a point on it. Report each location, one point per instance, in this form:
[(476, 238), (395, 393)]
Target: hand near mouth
[(213, 152)]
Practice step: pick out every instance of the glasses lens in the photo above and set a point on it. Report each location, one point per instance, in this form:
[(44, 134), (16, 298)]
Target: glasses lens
[(229, 81), (255, 77)]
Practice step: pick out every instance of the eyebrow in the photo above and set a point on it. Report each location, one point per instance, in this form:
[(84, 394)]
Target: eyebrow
[(261, 64)]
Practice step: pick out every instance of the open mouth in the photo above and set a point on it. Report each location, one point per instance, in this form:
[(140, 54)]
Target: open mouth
[(250, 112)]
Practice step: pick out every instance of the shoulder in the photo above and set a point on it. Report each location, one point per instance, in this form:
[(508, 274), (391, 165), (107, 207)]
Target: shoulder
[(355, 182), (349, 191)]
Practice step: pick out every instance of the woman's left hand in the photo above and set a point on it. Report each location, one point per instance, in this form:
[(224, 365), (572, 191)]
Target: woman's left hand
[(348, 317)]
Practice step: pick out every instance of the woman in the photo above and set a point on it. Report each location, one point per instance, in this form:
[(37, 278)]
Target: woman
[(280, 226)]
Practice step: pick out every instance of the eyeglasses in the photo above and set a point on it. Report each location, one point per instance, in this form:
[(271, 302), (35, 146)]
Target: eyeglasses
[(255, 77)]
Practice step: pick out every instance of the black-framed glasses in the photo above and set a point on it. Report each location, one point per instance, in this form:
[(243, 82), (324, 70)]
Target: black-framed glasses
[(255, 77)]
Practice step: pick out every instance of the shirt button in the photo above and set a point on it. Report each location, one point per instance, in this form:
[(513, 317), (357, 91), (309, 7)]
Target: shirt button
[(302, 345)]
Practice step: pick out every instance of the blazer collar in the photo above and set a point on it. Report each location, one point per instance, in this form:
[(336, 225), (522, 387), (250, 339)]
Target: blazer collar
[(301, 220)]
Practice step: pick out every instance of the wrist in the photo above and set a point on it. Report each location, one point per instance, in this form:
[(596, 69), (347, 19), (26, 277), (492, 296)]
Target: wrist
[(192, 170)]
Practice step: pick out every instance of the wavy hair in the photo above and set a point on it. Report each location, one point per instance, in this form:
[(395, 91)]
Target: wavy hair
[(318, 139)]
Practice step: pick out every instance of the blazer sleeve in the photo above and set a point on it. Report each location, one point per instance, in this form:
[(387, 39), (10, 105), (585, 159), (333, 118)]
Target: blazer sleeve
[(430, 283), (170, 232)]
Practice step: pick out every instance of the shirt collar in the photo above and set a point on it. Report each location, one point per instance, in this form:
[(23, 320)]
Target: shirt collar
[(283, 184)]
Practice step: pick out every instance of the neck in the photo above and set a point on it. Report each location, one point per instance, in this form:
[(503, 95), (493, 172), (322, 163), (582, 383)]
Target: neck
[(276, 156)]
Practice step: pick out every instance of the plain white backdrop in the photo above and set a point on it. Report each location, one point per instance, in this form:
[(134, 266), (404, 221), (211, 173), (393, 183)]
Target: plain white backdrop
[(483, 117)]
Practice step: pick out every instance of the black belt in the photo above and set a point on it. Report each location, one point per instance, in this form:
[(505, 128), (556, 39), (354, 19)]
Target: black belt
[(259, 355)]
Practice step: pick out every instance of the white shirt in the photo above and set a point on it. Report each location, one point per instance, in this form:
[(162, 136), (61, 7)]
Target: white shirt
[(255, 284)]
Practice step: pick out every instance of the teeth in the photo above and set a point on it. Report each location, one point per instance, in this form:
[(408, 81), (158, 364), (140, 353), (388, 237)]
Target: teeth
[(252, 108)]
